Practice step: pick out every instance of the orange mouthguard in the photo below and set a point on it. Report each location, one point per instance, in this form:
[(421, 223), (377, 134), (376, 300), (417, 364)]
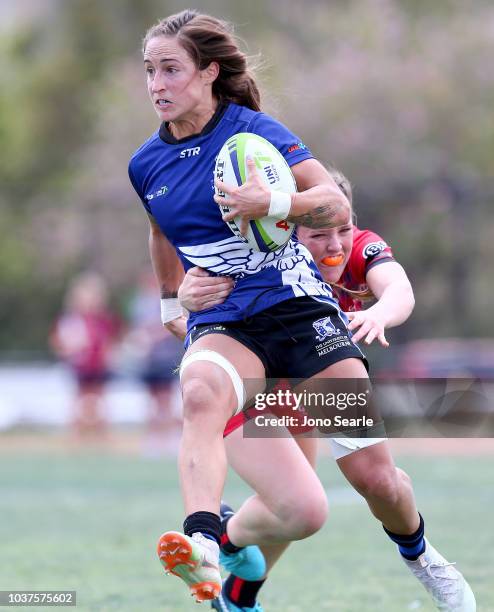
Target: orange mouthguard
[(333, 260)]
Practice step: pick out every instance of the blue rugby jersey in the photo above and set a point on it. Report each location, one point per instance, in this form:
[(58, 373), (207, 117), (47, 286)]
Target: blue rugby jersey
[(174, 180)]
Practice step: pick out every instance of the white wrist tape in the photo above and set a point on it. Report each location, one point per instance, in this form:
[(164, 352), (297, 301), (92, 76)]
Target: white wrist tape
[(279, 205), (170, 309)]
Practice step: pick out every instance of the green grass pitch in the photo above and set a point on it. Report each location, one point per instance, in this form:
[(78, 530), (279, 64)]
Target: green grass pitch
[(90, 523)]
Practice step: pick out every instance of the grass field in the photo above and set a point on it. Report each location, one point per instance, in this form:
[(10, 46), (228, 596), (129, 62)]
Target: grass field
[(90, 522)]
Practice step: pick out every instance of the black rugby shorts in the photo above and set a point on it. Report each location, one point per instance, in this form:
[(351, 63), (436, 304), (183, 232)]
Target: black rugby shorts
[(296, 338)]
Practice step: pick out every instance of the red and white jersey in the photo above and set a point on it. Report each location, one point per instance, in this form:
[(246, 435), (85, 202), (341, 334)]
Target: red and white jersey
[(85, 340), (368, 250)]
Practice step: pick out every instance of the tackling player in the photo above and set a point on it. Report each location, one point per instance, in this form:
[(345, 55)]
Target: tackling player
[(360, 266)]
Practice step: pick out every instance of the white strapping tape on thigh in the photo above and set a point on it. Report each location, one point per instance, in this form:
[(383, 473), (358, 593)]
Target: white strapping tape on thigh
[(214, 357)]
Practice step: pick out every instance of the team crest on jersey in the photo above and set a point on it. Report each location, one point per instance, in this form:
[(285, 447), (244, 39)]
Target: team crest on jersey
[(324, 328), (160, 192), (373, 248)]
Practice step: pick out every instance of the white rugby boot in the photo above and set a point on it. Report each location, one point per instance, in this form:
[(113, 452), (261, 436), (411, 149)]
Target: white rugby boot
[(447, 587), (195, 560)]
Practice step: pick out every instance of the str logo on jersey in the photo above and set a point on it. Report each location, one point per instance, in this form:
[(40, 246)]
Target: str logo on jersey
[(161, 192), (324, 328), (190, 152)]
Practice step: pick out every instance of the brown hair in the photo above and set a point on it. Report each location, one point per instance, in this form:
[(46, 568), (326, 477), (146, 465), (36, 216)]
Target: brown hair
[(346, 187), (343, 183), (208, 39)]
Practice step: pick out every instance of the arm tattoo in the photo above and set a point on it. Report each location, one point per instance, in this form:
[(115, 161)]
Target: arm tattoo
[(317, 218), (166, 293)]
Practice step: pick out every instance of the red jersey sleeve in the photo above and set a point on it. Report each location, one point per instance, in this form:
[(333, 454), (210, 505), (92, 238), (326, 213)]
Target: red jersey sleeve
[(368, 250)]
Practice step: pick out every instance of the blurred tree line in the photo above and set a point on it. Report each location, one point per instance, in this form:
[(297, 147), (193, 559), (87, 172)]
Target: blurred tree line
[(396, 93)]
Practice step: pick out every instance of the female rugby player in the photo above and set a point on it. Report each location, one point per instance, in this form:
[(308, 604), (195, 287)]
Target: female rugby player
[(203, 92), (360, 267)]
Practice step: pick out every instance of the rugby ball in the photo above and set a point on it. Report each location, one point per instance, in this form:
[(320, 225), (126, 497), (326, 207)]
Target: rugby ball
[(268, 233)]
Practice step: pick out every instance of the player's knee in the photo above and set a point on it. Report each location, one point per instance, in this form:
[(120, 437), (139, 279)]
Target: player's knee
[(198, 398), (381, 484), (404, 478), (308, 514), (314, 517)]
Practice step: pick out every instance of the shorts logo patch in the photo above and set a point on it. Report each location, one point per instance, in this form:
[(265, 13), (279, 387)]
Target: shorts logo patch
[(209, 329), (373, 248), (324, 328)]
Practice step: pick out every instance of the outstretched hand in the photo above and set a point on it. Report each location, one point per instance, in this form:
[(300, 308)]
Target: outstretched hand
[(368, 325), (249, 201)]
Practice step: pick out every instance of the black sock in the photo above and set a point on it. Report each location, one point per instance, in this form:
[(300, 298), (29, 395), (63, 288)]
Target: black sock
[(242, 593), (225, 543), (208, 523), (410, 546)]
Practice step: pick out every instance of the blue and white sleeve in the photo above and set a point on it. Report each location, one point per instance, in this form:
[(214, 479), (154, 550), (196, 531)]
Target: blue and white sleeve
[(135, 185), (288, 144)]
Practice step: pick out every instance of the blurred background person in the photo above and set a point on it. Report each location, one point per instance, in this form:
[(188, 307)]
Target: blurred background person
[(84, 336)]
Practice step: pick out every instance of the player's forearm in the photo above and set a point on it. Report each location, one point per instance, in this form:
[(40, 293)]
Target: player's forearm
[(395, 304), (169, 273), (322, 206), (166, 265)]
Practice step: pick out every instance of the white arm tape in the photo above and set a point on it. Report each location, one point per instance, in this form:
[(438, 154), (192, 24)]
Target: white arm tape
[(213, 356), (279, 205), (170, 310)]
